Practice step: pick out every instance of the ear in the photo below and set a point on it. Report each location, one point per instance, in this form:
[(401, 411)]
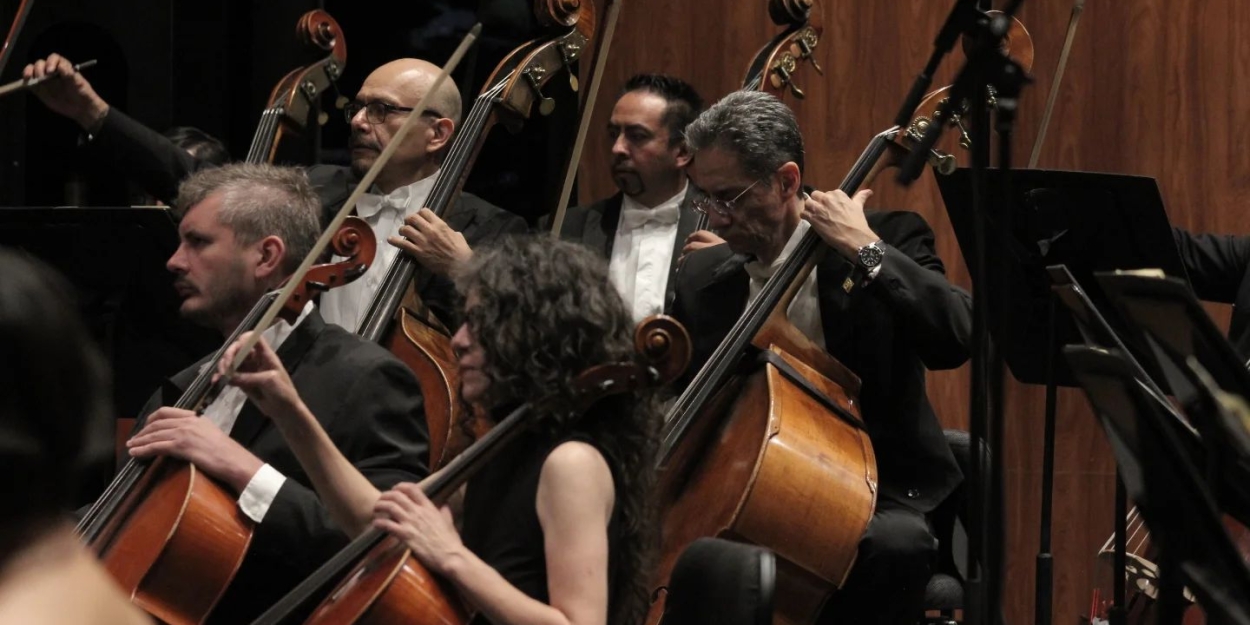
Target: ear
[(684, 155), (791, 179), (440, 134), (272, 253)]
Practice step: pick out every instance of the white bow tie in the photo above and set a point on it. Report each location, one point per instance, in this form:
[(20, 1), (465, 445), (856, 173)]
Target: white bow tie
[(633, 218), (370, 204)]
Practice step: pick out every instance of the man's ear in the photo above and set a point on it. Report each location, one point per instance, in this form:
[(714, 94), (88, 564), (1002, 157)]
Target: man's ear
[(272, 253), (440, 134), (684, 155), (791, 179)]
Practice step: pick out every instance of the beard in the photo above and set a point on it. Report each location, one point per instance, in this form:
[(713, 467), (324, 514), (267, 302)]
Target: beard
[(629, 182)]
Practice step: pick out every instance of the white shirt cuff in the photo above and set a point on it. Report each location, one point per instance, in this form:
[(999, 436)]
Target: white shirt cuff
[(260, 493), (872, 274)]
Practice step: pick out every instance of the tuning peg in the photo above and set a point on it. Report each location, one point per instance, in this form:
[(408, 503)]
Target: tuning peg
[(340, 102), (798, 93), (573, 82), (807, 45), (534, 76), (942, 162), (323, 117)]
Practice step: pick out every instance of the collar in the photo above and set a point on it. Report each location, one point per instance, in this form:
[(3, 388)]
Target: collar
[(761, 272), (373, 202), (635, 215)]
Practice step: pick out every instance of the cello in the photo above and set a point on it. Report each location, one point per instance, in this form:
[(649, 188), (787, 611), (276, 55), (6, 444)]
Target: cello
[(161, 522), (382, 584), (296, 95), (396, 318)]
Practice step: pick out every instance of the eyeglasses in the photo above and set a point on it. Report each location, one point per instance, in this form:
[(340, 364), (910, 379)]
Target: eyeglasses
[(702, 201), (377, 111)]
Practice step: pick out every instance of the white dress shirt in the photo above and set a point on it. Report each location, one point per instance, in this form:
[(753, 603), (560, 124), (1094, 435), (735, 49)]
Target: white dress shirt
[(260, 492), (804, 311), (346, 305), (642, 253)]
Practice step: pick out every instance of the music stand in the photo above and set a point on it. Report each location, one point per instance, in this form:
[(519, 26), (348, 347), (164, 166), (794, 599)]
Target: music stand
[(1195, 551), (1190, 347), (1087, 221), (115, 258)]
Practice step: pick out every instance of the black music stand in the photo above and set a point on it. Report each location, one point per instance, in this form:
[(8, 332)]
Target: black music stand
[(1198, 361), (115, 258), (1195, 550), (1086, 221)]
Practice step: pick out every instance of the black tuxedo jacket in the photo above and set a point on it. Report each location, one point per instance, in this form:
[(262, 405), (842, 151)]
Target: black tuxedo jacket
[(158, 166), (908, 318), (595, 227), (1219, 271), (370, 405)]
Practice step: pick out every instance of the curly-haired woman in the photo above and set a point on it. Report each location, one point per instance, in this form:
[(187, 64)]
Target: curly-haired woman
[(557, 528)]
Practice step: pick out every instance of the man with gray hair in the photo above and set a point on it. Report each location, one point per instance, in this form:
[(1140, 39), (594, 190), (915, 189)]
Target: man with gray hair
[(244, 230), (879, 303)]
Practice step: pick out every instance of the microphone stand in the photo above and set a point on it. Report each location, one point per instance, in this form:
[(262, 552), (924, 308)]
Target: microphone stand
[(986, 68)]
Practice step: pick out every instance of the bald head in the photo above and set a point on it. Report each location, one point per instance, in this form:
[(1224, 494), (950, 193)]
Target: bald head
[(409, 79)]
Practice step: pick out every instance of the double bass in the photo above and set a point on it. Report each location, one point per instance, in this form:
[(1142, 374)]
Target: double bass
[(295, 96), (396, 318), (170, 536)]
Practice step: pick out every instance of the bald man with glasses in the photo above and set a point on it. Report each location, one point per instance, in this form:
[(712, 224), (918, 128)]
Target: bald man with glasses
[(393, 206)]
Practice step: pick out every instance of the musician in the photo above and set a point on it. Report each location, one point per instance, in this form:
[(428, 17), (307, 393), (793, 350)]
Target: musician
[(555, 528), (401, 189), (53, 406), (648, 224), (245, 229), (901, 317)]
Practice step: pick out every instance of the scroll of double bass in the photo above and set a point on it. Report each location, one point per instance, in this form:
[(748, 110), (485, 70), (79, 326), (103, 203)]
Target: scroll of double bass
[(396, 317), (295, 96)]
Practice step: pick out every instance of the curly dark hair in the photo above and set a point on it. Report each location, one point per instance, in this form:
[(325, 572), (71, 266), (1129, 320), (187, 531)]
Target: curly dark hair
[(545, 311)]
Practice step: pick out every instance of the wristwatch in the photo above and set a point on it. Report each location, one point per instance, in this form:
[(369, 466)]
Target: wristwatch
[(870, 256)]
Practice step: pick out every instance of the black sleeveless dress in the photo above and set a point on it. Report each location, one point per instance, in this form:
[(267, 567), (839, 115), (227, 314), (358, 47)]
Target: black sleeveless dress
[(501, 519)]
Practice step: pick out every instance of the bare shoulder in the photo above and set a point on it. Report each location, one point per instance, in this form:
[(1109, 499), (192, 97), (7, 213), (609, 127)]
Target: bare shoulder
[(576, 462), (575, 474)]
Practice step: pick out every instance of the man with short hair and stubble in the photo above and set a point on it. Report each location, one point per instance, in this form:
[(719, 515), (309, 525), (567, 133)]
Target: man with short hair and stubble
[(245, 229), (645, 228), (393, 207)]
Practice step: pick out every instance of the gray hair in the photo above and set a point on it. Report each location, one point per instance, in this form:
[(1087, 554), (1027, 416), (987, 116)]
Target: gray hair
[(755, 126), (260, 201)]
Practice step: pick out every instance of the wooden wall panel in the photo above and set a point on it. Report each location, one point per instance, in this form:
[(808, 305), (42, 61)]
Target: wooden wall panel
[(1154, 87)]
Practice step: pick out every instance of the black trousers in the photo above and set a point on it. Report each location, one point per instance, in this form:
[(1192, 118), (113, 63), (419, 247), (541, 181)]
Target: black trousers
[(895, 561)]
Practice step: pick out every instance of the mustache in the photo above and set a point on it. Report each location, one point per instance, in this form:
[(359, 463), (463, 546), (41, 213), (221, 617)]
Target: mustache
[(354, 142)]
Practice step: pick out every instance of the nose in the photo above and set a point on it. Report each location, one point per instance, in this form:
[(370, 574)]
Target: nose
[(460, 340), (359, 122), (177, 263), (620, 147)]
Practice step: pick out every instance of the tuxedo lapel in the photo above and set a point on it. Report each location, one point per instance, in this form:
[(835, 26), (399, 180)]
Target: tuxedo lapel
[(251, 422), (599, 232)]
